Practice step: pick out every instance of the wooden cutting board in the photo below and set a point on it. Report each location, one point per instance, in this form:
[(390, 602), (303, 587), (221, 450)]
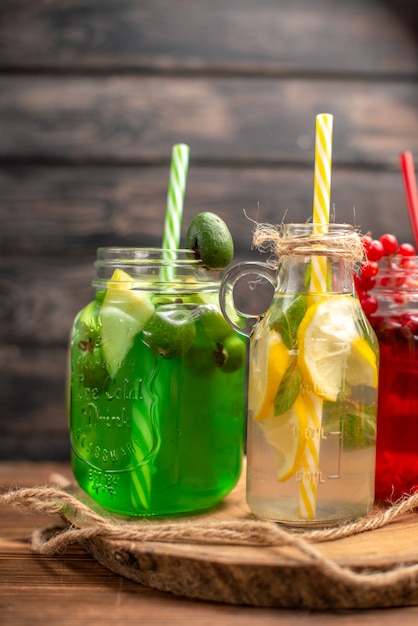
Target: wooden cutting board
[(379, 568)]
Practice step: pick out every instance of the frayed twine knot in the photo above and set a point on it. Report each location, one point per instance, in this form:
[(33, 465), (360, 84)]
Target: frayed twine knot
[(334, 240)]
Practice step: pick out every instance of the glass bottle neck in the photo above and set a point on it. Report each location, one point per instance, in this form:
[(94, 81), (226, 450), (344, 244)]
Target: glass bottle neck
[(315, 274)]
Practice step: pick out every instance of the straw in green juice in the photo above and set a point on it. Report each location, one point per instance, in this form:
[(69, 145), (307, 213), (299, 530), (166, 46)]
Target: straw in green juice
[(157, 392), (175, 196), (141, 480)]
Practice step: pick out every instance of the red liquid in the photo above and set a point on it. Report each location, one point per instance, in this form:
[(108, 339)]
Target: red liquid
[(397, 422)]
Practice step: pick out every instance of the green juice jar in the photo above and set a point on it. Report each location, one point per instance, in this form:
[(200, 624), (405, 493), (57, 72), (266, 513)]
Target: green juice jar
[(156, 386)]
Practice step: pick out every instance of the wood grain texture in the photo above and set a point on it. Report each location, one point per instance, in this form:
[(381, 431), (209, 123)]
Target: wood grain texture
[(279, 576), (239, 36), (81, 209), (33, 414), (73, 586), (246, 120)]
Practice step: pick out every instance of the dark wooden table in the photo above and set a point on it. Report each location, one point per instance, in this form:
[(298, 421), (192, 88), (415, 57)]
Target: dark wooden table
[(73, 588)]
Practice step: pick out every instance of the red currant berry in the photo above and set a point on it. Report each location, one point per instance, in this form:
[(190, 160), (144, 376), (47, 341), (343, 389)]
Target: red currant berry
[(378, 320), (358, 288), (406, 263), (411, 321), (387, 331), (369, 304), (370, 269), (406, 249), (366, 239), (400, 298), (374, 250), (365, 283), (395, 280), (389, 243)]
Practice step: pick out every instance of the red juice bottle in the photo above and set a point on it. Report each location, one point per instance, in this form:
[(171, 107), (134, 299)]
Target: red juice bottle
[(395, 323)]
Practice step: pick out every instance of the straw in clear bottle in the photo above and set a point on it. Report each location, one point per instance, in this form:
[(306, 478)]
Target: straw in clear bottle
[(314, 404)]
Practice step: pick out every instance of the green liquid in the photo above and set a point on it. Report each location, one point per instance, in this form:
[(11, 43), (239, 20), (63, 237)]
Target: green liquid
[(164, 436)]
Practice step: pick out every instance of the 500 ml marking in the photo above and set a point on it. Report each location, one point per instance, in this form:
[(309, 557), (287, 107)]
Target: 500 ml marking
[(309, 476), (330, 451), (315, 476)]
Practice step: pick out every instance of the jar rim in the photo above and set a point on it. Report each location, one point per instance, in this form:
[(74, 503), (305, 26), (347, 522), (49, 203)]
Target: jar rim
[(154, 269), (319, 227), (397, 274), (117, 254)]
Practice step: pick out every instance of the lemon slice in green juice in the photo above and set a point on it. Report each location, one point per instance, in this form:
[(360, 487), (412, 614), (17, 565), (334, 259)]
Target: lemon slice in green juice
[(124, 313)]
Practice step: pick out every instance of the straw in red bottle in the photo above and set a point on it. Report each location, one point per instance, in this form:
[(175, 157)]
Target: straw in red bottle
[(410, 184)]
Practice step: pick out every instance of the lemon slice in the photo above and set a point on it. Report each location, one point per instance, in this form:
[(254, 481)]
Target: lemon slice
[(330, 348), (287, 434), (278, 361), (258, 359), (124, 313), (269, 360), (362, 365)]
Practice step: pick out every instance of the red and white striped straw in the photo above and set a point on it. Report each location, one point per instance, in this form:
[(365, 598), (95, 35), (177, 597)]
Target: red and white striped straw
[(411, 193)]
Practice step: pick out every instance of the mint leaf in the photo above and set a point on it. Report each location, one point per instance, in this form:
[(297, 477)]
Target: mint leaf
[(286, 319), (288, 389), (359, 429), (357, 422)]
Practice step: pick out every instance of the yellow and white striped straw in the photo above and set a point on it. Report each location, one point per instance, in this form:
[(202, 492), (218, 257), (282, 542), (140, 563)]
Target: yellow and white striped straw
[(322, 172), (321, 208), (322, 191), (310, 460)]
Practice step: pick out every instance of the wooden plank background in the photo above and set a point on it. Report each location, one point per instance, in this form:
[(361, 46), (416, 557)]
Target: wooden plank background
[(93, 93)]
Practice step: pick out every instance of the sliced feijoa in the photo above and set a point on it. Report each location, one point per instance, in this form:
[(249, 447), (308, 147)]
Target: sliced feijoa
[(201, 358), (231, 354), (170, 331), (213, 323)]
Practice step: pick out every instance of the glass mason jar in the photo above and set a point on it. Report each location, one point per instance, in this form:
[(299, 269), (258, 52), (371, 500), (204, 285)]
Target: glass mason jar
[(395, 323), (313, 371), (157, 386)]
